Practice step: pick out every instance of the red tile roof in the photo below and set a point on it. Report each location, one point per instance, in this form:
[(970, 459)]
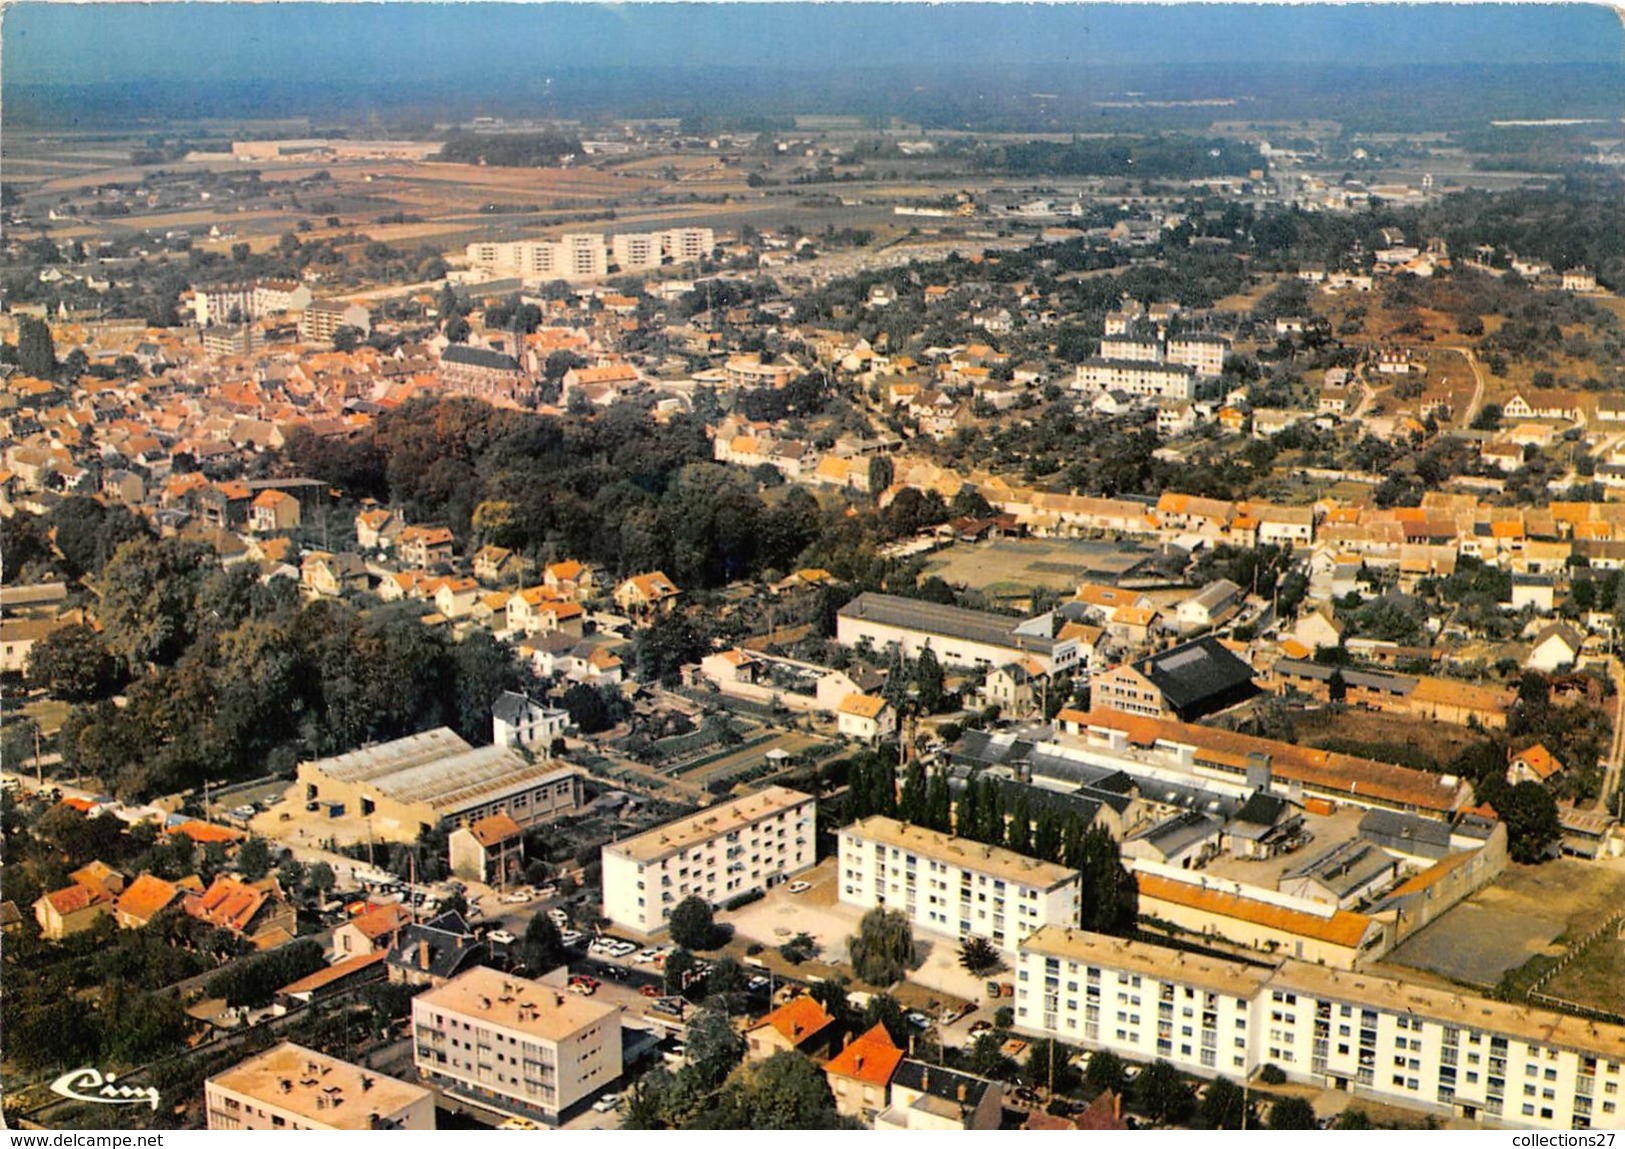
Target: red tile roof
[(872, 1058), (799, 1019)]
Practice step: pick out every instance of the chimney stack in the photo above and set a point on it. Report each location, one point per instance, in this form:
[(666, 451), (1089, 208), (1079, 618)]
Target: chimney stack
[(423, 955)]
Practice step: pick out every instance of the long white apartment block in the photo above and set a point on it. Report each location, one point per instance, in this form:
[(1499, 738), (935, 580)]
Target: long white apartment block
[(953, 886), (587, 255), (1392, 1041), (1158, 380), (716, 854)]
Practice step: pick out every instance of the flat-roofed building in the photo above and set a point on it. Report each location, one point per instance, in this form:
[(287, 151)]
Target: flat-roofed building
[(418, 782), (1158, 380), (638, 251), (1142, 1002), (686, 244), (718, 853), (515, 1046), (1397, 1042), (953, 886), (291, 1087)]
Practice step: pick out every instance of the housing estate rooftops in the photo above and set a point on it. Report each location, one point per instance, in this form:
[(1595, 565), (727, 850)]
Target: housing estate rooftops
[(516, 1004), (992, 860), (675, 837)]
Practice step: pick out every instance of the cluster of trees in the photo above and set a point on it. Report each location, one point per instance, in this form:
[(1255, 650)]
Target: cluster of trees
[(715, 1090), (228, 675), (509, 149), (1158, 156), (547, 488), (985, 812), (882, 950), (253, 982)]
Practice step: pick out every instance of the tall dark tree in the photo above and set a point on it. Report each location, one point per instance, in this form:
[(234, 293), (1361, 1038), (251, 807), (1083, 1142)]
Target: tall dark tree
[(36, 350), (911, 801), (938, 803), (1110, 898), (928, 681)]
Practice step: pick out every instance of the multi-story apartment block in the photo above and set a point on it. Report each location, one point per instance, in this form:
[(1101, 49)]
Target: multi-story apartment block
[(213, 305), (953, 886), (639, 251), (514, 1045), (324, 317), (1160, 380), (291, 1087), (1389, 1040), (1131, 350), (719, 853), (1204, 354), (685, 244)]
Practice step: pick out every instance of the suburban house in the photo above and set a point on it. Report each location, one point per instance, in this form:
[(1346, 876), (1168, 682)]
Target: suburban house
[(273, 511), (866, 717), (374, 930), (256, 912), (860, 1075), (1536, 764), (497, 565), (1555, 647), (800, 1025), (925, 1096), (377, 529), (425, 546), (643, 596), (147, 897), (491, 850), (518, 721)]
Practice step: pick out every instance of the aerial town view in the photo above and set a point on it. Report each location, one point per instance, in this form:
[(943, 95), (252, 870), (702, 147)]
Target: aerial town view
[(799, 566)]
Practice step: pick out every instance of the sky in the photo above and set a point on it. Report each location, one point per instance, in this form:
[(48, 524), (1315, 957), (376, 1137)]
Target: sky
[(64, 43)]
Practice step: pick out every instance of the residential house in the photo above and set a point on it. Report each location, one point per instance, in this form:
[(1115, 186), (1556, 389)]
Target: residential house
[(433, 952), (644, 596), (569, 579), (1536, 764), (1556, 647), (147, 897), (495, 565), (490, 850), (425, 546), (1209, 607), (71, 910), (255, 912), (933, 1097), (800, 1025), (518, 721), (377, 529), (1189, 680), (325, 575), (375, 930), (860, 1074), (273, 511), (867, 718)]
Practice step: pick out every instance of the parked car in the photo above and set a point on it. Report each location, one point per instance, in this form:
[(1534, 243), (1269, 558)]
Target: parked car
[(800, 887), (1026, 1096), (570, 937), (918, 1020), (980, 1027), (517, 897), (650, 991), (606, 1103), (501, 937), (993, 989), (757, 984)]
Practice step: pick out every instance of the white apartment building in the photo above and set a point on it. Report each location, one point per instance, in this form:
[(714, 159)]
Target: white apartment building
[(716, 854), (215, 305), (686, 244), (1204, 354), (639, 251), (1140, 1001), (1161, 380), (1131, 350), (291, 1087), (1392, 1041), (953, 886), (514, 1045), (570, 257)]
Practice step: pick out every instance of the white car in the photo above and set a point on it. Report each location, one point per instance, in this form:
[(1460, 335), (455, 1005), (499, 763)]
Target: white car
[(501, 937), (623, 949), (648, 955), (800, 887), (517, 897), (570, 937), (606, 1103)]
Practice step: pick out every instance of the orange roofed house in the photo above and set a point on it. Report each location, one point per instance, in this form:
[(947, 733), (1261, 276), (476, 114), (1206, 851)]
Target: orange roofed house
[(800, 1025), (860, 1075), (148, 896), (254, 911), (644, 596)]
